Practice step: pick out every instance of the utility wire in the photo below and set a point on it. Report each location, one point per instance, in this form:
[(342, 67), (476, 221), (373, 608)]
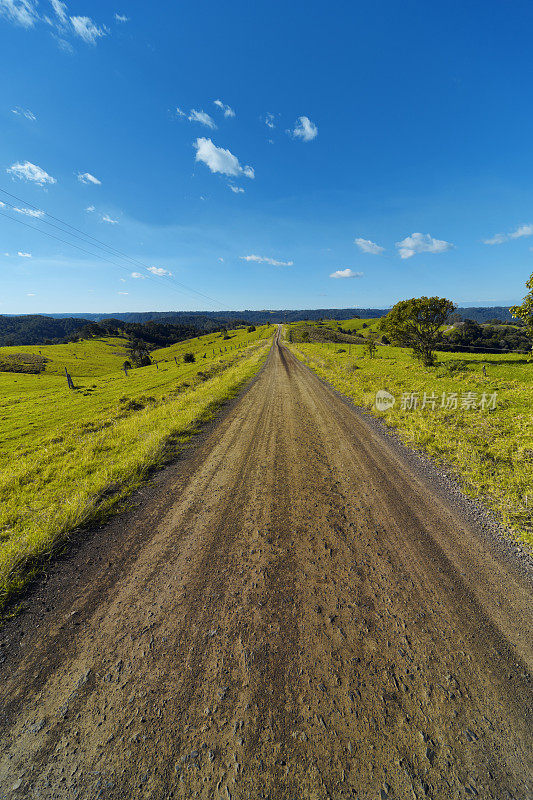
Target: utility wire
[(100, 245), (94, 255)]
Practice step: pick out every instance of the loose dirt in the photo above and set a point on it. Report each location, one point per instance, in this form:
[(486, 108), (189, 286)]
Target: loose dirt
[(289, 612)]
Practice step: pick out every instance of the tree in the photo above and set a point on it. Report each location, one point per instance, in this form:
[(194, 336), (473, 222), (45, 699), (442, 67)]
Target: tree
[(371, 344), (416, 323), (525, 311), (142, 360), (189, 358), (251, 328)]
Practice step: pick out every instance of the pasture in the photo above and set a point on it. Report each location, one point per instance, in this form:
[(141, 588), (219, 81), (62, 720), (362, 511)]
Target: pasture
[(70, 457), (490, 449)]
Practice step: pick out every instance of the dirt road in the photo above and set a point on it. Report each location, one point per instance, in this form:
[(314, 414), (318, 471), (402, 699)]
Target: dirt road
[(290, 612)]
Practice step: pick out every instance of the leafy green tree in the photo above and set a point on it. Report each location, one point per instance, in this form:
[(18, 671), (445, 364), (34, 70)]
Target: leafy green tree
[(416, 323), (371, 344), (525, 311)]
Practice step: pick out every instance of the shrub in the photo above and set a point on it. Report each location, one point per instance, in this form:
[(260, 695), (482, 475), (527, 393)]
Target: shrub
[(189, 358)]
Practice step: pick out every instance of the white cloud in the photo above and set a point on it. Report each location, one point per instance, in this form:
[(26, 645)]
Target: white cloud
[(122, 292), (24, 112), (110, 220), (346, 273), (220, 160), (228, 111), (60, 10), (64, 45), (180, 113), (24, 12), (2, 205), (265, 260), (522, 230), (269, 120), (30, 294), (24, 255), (85, 28), (30, 172), (90, 209), (121, 17), (500, 238), (86, 177), (421, 243), (158, 271), (221, 260), (304, 129), (29, 212), (369, 247), (236, 189), (21, 12), (138, 275), (202, 118)]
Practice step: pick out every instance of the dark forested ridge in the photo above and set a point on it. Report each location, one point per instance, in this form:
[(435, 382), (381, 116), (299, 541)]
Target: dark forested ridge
[(37, 329), (27, 330), (261, 317), (475, 313), (165, 327)]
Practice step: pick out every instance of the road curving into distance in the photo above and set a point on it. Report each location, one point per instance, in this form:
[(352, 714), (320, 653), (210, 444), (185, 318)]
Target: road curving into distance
[(288, 612)]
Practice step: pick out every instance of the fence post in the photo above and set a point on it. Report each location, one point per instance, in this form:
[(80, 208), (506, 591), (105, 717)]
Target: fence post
[(69, 380)]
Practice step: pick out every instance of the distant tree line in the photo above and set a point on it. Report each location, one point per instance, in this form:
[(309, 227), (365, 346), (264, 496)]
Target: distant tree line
[(471, 337), (143, 336), (37, 329)]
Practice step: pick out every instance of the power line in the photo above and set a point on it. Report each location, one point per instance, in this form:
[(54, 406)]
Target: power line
[(81, 249), (52, 236), (100, 245)]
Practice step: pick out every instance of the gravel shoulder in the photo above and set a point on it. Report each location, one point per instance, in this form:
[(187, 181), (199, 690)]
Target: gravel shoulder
[(297, 609)]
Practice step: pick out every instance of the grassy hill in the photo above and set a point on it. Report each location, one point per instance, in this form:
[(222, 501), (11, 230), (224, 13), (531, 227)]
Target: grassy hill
[(85, 358), (99, 356), (490, 449), (342, 331), (70, 457), (34, 329)]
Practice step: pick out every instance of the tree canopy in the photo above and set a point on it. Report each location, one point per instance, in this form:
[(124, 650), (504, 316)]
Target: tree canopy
[(525, 311), (416, 323)]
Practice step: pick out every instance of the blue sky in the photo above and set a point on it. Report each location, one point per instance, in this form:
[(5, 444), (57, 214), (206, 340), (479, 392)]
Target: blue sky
[(380, 143)]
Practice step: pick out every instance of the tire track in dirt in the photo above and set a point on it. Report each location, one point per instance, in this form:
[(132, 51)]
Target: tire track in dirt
[(293, 615)]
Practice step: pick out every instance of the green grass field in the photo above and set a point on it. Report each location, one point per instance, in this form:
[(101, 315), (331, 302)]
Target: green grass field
[(490, 450), (86, 358), (69, 458), (359, 326), (331, 330)]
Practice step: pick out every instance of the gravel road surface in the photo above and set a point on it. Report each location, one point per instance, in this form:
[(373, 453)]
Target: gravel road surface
[(288, 612)]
